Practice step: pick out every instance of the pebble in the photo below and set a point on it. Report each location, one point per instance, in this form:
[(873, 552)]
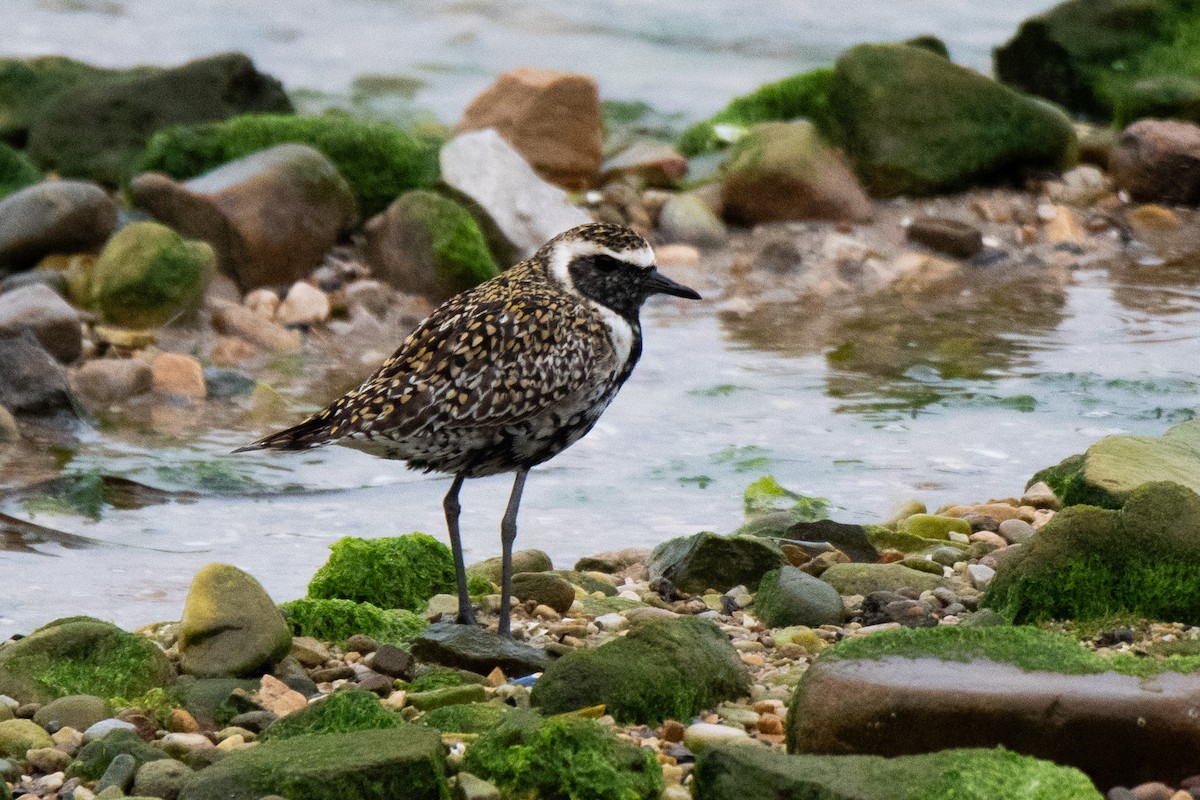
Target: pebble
[(104, 726), (672, 731), (1016, 531), (178, 375), (981, 576), (305, 304), (262, 302), (702, 735)]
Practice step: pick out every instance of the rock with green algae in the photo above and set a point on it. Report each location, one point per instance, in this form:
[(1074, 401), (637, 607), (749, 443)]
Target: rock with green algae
[(389, 572), (866, 578), (338, 620), (788, 596), (215, 701), (405, 761), (914, 123), (933, 526), (753, 773), (563, 758), (427, 244), (466, 717), (341, 712), (1112, 468), (709, 561), (27, 86), (1090, 563), (662, 669), (377, 159), (545, 588), (447, 696), (146, 275), (78, 711), (19, 735), (522, 561), (230, 626), (884, 538), (16, 171), (437, 678), (81, 655), (96, 755)]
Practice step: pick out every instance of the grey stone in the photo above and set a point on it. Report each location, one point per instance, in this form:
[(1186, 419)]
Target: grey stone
[(119, 773), (31, 380), (163, 778), (470, 787), (392, 661), (949, 236), (226, 384), (708, 561), (1016, 531), (544, 588), (53, 321), (790, 597), (477, 650), (686, 218), (53, 217), (78, 711)]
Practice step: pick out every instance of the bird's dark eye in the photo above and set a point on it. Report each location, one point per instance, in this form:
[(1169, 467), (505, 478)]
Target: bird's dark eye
[(607, 264)]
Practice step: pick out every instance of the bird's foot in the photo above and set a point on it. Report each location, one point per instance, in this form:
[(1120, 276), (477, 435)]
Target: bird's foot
[(466, 617)]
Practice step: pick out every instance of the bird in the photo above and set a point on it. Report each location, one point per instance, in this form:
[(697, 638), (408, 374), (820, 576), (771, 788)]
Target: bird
[(503, 377)]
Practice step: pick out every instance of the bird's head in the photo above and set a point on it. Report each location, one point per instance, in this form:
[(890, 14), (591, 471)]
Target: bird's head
[(609, 264)]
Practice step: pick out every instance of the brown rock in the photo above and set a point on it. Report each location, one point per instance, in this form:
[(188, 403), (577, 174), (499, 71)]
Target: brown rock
[(112, 380), (182, 722), (305, 304), (1116, 728), (229, 351), (948, 236), (277, 697), (270, 216), (235, 320), (672, 731), (1159, 161), (650, 163), (552, 119), (177, 374)]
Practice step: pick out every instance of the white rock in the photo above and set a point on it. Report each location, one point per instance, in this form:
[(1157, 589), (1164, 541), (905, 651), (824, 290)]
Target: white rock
[(612, 622), (305, 304), (263, 302), (981, 575), (102, 727), (701, 736)]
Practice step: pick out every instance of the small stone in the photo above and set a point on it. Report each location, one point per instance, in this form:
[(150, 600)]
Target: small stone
[(53, 321), (235, 320), (988, 537), (305, 304), (1153, 791), (262, 302), (1039, 495), (178, 375), (119, 773), (672, 731), (361, 643), (470, 787), (182, 721), (47, 759), (393, 662), (700, 736), (105, 726), (981, 576), (687, 219), (277, 697), (1016, 531), (112, 380), (770, 724), (1064, 226), (181, 744), (226, 384), (954, 238), (677, 255), (53, 217)]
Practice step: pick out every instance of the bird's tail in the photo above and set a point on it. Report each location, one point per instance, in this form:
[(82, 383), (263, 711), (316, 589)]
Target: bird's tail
[(313, 432)]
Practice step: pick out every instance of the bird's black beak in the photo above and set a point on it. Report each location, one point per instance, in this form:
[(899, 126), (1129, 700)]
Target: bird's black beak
[(657, 283)]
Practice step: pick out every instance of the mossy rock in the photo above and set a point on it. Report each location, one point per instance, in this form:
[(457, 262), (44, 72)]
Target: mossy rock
[(933, 526), (1112, 468), (1090, 563), (378, 160), (230, 626), (866, 578), (27, 86), (95, 756), (147, 274), (437, 678), (563, 758), (81, 655), (390, 572), (522, 561), (544, 588), (78, 711), (338, 620), (663, 669), (756, 773), (466, 717), (16, 171), (913, 123), (19, 735), (341, 712), (709, 561), (447, 696), (96, 129), (212, 700), (788, 597), (799, 96), (883, 538), (406, 761)]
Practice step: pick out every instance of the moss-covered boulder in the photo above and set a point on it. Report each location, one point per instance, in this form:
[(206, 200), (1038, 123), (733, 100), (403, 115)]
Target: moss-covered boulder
[(1112, 468), (563, 758), (390, 572), (933, 526), (97, 128), (663, 669), (378, 160), (1090, 563), (19, 735), (709, 561), (96, 755), (78, 711), (885, 538), (788, 596), (16, 171), (544, 588), (753, 773), (230, 626), (867, 578), (914, 123), (341, 712), (146, 275), (81, 655), (522, 561), (428, 244), (338, 620), (213, 702), (466, 717), (27, 86), (799, 96), (1121, 59), (405, 761)]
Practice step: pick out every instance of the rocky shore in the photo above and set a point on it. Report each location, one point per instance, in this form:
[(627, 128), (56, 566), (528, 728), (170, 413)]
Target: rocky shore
[(177, 243)]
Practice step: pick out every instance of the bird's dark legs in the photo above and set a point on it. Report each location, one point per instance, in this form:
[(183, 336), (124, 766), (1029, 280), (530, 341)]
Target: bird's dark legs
[(466, 614), (508, 532)]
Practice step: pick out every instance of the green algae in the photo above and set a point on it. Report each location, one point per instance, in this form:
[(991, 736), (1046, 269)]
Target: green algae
[(390, 572), (341, 712), (466, 717), (16, 171), (337, 620), (95, 756), (436, 678)]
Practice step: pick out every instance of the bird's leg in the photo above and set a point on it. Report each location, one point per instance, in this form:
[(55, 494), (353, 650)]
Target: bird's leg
[(466, 614), (508, 533)]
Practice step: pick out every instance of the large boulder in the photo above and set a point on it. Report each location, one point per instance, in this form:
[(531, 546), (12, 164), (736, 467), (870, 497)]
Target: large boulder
[(1090, 563), (271, 215), (1158, 161), (378, 160), (551, 118), (1120, 720), (489, 172), (405, 761), (428, 244), (53, 217), (31, 380), (471, 648), (709, 561), (662, 669), (784, 171), (788, 597), (16, 171), (914, 123), (230, 627), (27, 86), (391, 572), (53, 321), (98, 128), (148, 274), (1112, 468), (756, 773), (81, 655)]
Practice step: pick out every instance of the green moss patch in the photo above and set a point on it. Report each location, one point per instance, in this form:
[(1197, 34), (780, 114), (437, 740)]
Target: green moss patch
[(338, 620), (466, 717), (341, 712), (563, 758), (391, 572), (460, 255), (437, 678), (16, 171), (663, 669), (378, 160)]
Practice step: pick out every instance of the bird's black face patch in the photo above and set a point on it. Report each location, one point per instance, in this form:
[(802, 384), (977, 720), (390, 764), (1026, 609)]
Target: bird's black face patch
[(611, 282)]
